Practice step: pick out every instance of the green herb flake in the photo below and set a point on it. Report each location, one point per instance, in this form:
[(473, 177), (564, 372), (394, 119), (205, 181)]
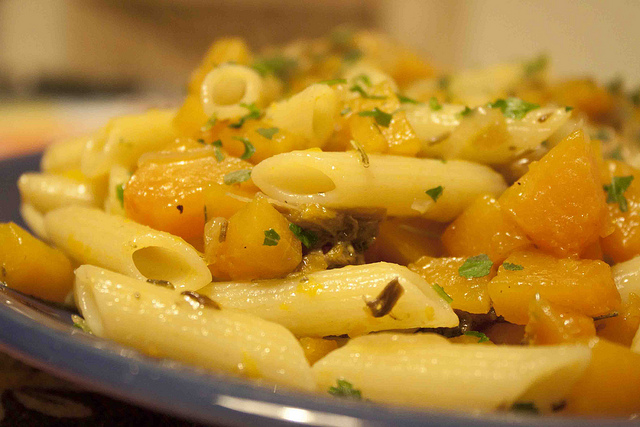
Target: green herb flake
[(512, 267), (364, 78), (444, 82), (307, 237), (249, 149), (525, 407), (567, 109), (615, 191), (536, 65), (210, 123), (364, 158), (217, 145), (333, 82), (254, 114), (435, 192), (237, 177), (434, 104), (481, 337), (381, 118), (267, 132), (120, 194), (80, 323), (514, 108), (345, 389), (271, 237), (406, 100), (440, 291), (616, 154), (279, 66), (465, 112), (364, 94), (345, 111), (352, 55), (476, 266)]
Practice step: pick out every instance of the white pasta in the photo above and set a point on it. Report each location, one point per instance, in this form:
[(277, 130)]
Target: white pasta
[(626, 276), (124, 139), (311, 113), (118, 178), (45, 191), (91, 236), (427, 370), (63, 155), (333, 302), (398, 184), (34, 220), (159, 322), (228, 86)]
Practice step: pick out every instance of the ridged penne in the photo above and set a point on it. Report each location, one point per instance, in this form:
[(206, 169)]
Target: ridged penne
[(46, 191), (162, 323), (64, 155), (334, 302), (428, 371), (227, 87), (124, 139), (626, 276), (91, 236), (34, 220), (398, 184)]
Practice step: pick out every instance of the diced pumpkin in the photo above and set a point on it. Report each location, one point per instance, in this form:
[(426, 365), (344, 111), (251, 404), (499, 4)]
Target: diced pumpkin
[(505, 333), (468, 294), (257, 244), (317, 348), (610, 386), (593, 251), (585, 96), (551, 324), (624, 243), (31, 266), (559, 203), (190, 117), (585, 286), (409, 67), (484, 229), (403, 241), (622, 328), (367, 133), (171, 196)]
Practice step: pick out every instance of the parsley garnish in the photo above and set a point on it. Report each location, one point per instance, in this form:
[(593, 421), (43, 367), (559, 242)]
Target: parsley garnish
[(279, 66), (254, 114), (406, 100), (434, 104), (267, 132), (435, 192), (120, 194), (616, 154), (346, 110), (381, 118), (512, 267), (444, 82), (345, 389), (352, 55), (236, 177), (271, 237), (536, 65), (80, 323), (249, 149), (364, 158), (529, 407), (333, 82), (481, 337), (440, 291), (210, 123), (466, 111), (514, 108), (365, 79), (216, 150), (358, 88), (567, 109), (476, 266), (615, 191), (307, 237)]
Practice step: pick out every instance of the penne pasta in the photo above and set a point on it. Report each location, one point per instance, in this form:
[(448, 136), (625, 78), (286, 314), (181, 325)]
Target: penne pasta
[(227, 87), (398, 184), (372, 76), (337, 302), (64, 155), (626, 276), (428, 371), (161, 323), (45, 191), (91, 236), (34, 220), (114, 202)]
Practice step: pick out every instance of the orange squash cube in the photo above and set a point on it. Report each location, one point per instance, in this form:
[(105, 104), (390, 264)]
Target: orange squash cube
[(505, 333), (317, 348), (584, 286), (403, 241), (559, 203), (622, 328), (222, 50), (551, 324), (484, 229), (468, 294), (190, 116)]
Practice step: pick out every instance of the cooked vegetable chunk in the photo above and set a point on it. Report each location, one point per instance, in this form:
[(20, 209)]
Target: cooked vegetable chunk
[(552, 324)]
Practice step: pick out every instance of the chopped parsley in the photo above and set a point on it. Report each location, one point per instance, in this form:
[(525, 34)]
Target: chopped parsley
[(481, 337), (616, 154), (615, 191), (365, 79), (444, 82), (333, 82), (364, 158), (406, 100), (236, 177), (435, 192), (279, 66), (364, 94), (307, 237), (476, 266), (466, 111), (381, 118), (345, 111), (210, 123), (512, 267), (254, 114), (514, 108), (345, 389), (567, 109), (217, 145), (267, 132), (526, 407), (271, 237), (434, 104), (80, 323), (352, 55), (440, 291), (535, 65), (120, 194), (249, 149)]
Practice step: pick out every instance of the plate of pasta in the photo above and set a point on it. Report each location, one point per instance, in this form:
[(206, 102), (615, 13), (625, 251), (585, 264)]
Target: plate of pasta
[(334, 232)]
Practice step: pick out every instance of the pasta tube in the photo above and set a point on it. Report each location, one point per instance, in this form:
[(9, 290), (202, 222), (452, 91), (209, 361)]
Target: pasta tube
[(427, 370), (161, 323), (64, 155), (372, 76), (45, 191), (114, 202), (91, 236), (626, 276), (339, 301), (34, 220), (398, 184), (227, 87)]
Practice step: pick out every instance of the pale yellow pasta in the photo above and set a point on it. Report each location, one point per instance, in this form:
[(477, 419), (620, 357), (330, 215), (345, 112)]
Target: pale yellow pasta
[(46, 191), (334, 302), (372, 75), (114, 202), (311, 113), (626, 276), (64, 155), (227, 87), (428, 371), (162, 323), (397, 184), (34, 220), (124, 139), (91, 236)]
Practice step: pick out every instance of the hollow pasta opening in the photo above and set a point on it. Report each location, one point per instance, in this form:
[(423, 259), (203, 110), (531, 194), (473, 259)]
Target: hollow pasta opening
[(228, 90), (302, 180), (155, 262)]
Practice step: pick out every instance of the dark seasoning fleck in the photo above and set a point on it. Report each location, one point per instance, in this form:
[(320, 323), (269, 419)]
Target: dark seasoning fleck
[(384, 303), (180, 208), (163, 283), (203, 300)]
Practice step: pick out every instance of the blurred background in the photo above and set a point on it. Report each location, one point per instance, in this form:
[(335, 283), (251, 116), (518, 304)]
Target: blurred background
[(68, 65)]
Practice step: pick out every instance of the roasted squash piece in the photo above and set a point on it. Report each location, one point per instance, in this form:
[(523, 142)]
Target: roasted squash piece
[(587, 97), (484, 229), (622, 328), (559, 203), (505, 333), (317, 348), (403, 241), (551, 324), (585, 286), (31, 266)]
